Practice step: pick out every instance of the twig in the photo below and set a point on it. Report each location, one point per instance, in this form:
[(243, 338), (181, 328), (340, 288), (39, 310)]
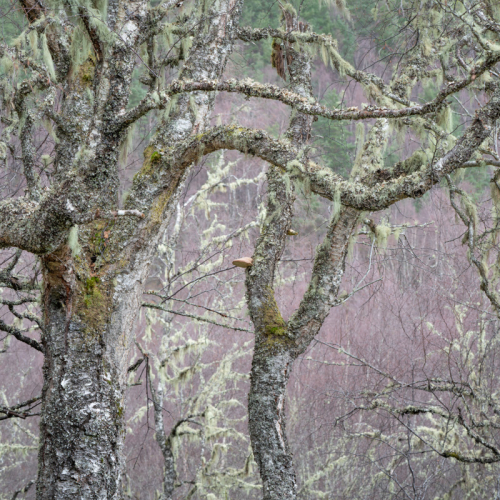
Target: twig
[(193, 316)]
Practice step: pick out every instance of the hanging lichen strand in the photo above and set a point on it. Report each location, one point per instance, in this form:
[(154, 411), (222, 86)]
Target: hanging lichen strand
[(80, 80)]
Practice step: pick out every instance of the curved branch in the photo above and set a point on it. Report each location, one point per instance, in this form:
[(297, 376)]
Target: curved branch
[(250, 88), (375, 191), (41, 227)]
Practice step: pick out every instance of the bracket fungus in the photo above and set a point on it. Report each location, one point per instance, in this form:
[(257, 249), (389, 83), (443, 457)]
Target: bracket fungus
[(243, 262)]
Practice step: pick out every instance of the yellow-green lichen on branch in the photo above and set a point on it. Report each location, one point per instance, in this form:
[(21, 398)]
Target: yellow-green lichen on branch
[(155, 157), (151, 157), (92, 291), (158, 208), (94, 302), (119, 410), (86, 73), (274, 324)]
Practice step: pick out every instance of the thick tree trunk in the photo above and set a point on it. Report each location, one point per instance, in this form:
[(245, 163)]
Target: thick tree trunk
[(81, 428), (90, 305), (278, 345), (272, 357), (91, 301)]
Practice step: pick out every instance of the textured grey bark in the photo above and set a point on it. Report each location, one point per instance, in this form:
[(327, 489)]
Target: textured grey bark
[(81, 427), (91, 301), (266, 414), (270, 364), (278, 344), (274, 354)]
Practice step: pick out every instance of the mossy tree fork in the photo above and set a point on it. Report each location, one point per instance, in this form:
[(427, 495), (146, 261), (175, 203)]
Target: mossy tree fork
[(92, 286)]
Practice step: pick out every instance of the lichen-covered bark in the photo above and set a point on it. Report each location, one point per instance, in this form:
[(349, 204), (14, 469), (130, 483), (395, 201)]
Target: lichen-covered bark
[(271, 362), (274, 352), (81, 429), (326, 279), (277, 343), (271, 368), (91, 298)]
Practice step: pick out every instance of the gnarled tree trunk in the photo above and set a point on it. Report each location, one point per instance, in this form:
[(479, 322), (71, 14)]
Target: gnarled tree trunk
[(92, 294), (278, 344), (274, 352)]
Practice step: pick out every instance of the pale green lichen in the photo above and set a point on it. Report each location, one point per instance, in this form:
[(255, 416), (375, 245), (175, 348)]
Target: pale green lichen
[(274, 323), (47, 58), (382, 233), (336, 205), (33, 42), (445, 119), (415, 162), (73, 242), (470, 209)]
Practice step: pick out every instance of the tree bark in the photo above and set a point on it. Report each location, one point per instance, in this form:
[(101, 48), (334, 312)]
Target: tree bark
[(274, 353), (278, 344), (271, 361), (81, 429), (91, 299), (266, 413)]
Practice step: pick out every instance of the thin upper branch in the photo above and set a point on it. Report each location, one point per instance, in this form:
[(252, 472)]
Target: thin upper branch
[(248, 34), (194, 316), (12, 411), (362, 77), (250, 88), (19, 336)]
